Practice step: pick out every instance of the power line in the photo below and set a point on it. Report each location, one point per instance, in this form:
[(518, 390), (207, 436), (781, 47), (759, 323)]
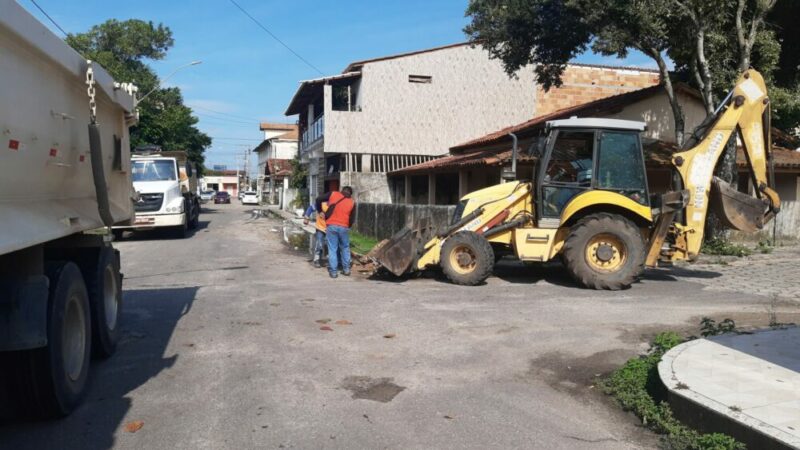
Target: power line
[(225, 119), (48, 16), (224, 114), (276, 37)]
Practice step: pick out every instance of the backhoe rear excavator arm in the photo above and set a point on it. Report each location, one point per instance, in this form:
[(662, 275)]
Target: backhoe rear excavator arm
[(745, 111)]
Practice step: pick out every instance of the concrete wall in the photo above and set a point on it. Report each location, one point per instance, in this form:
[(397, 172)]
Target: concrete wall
[(282, 149), (469, 96), (381, 221), (657, 113), (369, 187)]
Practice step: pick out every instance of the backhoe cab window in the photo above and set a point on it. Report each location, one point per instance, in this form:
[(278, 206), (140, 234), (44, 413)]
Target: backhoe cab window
[(571, 160), (620, 166), (569, 170)]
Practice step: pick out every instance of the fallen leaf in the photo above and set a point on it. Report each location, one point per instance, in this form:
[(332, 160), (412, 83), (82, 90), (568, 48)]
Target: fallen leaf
[(326, 328), (389, 336), (323, 321), (343, 322), (133, 427)]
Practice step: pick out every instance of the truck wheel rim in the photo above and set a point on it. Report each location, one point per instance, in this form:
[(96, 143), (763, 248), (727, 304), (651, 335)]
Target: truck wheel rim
[(110, 297), (74, 338), (606, 253), (463, 259)]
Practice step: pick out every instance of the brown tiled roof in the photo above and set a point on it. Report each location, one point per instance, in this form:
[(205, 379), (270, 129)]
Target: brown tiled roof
[(783, 158), (657, 154), (290, 136), (264, 126), (280, 168), (603, 106)]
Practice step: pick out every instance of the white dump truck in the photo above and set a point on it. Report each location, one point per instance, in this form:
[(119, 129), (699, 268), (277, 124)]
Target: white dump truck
[(166, 192), (64, 179)]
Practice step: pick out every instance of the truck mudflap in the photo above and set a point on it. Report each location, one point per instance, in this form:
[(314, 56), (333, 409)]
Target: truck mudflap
[(23, 313)]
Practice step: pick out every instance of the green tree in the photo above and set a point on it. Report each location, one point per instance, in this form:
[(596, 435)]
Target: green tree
[(122, 48), (709, 42)]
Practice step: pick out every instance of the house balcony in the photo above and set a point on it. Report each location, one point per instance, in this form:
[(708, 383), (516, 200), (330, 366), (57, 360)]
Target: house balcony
[(314, 133)]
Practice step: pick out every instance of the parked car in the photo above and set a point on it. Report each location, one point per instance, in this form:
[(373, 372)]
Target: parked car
[(222, 197), (240, 195), (250, 198), (207, 196)]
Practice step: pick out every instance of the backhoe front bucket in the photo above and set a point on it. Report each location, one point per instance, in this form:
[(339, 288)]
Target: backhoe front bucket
[(397, 253), (735, 209)]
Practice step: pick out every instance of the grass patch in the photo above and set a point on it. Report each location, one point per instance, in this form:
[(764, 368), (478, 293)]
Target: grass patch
[(637, 388), (724, 247), (360, 243)]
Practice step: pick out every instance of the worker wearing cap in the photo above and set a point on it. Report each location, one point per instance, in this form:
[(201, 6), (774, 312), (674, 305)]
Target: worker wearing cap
[(320, 240), (338, 217)]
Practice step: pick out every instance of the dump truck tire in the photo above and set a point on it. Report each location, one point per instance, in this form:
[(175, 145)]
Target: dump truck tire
[(55, 377), (604, 251), (105, 297), (467, 258)]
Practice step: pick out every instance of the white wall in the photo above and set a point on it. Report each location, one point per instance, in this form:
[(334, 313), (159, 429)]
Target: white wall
[(470, 95), (657, 113)]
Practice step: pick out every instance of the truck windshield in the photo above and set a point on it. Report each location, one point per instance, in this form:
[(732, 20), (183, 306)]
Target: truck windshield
[(154, 170)]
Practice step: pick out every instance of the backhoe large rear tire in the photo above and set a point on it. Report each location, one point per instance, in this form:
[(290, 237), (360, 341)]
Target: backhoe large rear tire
[(604, 251), (467, 258)]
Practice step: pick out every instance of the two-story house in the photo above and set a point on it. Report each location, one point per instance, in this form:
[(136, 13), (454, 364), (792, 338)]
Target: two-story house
[(387, 113), (274, 153)]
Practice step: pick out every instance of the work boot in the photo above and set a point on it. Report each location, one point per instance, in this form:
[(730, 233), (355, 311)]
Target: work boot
[(317, 264), (333, 274), (346, 273)]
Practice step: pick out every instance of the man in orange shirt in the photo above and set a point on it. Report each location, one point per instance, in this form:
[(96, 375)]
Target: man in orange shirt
[(338, 219)]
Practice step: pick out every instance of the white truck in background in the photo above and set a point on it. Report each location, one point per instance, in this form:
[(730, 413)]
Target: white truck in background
[(166, 192), (64, 179)]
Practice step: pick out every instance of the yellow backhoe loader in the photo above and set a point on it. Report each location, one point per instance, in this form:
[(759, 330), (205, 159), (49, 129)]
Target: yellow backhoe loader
[(588, 202)]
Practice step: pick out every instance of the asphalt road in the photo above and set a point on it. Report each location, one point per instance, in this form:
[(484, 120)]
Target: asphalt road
[(232, 340)]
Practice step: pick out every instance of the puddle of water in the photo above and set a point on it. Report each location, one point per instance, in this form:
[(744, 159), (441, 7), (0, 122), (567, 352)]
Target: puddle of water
[(295, 237), (376, 389)]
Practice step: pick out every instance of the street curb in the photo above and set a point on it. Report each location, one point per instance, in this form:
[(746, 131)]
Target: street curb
[(709, 415)]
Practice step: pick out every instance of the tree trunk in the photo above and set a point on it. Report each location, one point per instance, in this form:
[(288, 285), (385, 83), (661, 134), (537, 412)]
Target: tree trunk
[(677, 110)]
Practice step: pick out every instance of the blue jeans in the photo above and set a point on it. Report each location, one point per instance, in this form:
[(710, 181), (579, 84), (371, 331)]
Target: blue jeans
[(338, 241), (319, 245)]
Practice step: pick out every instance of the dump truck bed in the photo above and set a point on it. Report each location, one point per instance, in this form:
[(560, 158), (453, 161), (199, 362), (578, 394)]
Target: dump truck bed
[(46, 183)]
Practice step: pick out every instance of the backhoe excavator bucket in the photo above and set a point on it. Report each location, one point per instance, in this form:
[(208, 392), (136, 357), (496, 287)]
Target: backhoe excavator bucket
[(397, 253), (735, 209)]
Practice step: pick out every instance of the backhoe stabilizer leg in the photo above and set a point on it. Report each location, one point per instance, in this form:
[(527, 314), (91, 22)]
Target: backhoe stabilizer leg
[(671, 203)]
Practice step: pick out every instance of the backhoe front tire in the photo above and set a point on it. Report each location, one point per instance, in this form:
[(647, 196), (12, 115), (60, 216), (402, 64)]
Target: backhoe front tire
[(604, 251), (467, 258)]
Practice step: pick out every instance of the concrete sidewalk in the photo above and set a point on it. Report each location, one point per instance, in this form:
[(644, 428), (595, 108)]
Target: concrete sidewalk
[(745, 385)]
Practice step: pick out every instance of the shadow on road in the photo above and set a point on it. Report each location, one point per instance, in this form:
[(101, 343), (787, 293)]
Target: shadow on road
[(150, 317)]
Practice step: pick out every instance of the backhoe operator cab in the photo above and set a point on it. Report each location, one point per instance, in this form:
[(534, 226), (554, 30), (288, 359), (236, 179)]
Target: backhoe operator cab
[(588, 202)]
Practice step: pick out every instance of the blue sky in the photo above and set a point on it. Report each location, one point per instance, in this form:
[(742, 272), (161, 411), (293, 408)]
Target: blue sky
[(246, 76)]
